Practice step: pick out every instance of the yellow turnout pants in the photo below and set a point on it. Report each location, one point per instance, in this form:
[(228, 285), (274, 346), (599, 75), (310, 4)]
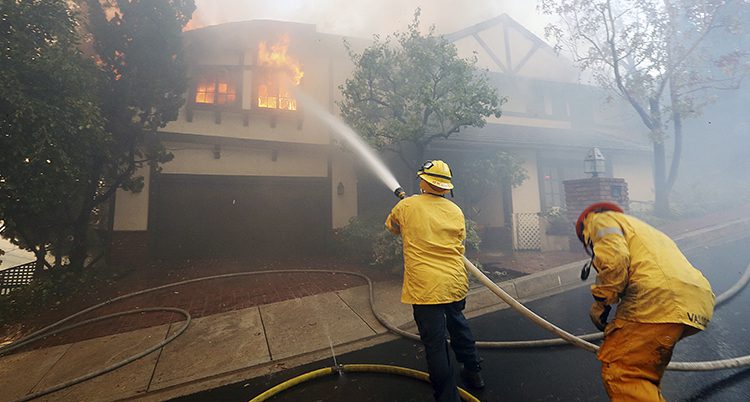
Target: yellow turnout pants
[(634, 356)]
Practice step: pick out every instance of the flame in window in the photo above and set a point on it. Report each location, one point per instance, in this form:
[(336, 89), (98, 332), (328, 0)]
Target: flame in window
[(273, 91), (213, 90)]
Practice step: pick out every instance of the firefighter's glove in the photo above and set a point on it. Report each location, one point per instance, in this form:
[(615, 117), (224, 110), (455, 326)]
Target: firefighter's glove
[(599, 314)]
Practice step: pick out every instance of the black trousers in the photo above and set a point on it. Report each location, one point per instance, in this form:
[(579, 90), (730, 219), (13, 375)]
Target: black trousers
[(435, 321)]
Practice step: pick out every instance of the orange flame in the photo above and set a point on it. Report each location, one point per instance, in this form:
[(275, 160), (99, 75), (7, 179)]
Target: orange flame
[(272, 91), (275, 56), (196, 21)]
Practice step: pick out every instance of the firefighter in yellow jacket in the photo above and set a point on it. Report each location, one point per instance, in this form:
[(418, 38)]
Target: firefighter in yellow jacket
[(435, 280), (660, 297)]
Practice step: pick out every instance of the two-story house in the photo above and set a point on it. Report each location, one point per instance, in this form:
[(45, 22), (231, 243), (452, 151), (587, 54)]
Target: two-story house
[(254, 173)]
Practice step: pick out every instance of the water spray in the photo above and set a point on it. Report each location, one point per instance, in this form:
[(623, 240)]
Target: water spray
[(366, 152), (346, 133)]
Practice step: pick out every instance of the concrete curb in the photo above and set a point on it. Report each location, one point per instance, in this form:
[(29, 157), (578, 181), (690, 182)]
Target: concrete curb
[(527, 288), (233, 346), (566, 277)]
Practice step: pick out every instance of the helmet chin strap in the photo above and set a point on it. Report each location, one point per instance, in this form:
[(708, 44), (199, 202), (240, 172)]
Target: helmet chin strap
[(586, 270)]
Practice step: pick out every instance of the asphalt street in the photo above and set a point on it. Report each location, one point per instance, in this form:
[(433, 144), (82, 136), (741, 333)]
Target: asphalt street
[(548, 374)]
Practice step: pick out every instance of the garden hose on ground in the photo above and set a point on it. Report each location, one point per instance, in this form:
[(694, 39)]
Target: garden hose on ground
[(354, 368), (121, 362), (57, 326), (567, 337), (572, 339)]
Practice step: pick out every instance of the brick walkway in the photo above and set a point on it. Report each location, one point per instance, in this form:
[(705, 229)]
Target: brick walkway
[(201, 298), (215, 296)]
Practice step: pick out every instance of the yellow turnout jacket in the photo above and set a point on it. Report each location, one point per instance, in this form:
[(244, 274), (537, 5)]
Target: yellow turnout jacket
[(433, 231), (642, 269)]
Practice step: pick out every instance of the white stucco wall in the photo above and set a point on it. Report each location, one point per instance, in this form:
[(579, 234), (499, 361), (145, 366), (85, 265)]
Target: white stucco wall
[(525, 57), (637, 172), (491, 208), (131, 209), (192, 158), (344, 206), (526, 197)]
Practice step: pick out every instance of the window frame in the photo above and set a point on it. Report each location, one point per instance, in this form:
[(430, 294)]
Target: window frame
[(232, 74), (258, 73)]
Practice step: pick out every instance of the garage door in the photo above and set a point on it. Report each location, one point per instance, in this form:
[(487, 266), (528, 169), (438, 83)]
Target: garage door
[(231, 216)]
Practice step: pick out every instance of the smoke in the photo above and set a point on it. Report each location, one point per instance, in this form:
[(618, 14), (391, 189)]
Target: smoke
[(360, 18)]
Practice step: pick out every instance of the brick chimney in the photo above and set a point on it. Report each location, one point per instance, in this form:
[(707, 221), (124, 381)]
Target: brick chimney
[(581, 193)]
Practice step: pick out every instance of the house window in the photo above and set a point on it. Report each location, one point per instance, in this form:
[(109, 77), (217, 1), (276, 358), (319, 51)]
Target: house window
[(273, 93), (535, 103), (277, 71), (216, 89)]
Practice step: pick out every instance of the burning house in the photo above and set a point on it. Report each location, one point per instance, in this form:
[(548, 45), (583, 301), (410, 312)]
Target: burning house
[(253, 173)]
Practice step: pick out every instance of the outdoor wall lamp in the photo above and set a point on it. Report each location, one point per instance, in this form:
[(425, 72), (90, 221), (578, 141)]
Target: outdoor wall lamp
[(217, 151), (340, 189), (594, 164)]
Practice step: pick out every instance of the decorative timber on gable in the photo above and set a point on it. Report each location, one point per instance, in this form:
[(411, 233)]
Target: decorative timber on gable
[(501, 44)]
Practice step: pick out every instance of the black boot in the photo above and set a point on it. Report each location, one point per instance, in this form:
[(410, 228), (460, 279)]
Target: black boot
[(472, 378)]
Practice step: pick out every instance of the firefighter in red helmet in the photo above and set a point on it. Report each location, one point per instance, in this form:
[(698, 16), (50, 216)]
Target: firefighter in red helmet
[(660, 297)]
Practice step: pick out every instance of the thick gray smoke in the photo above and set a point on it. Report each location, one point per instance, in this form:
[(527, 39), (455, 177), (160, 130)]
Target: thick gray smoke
[(360, 18), (714, 161)]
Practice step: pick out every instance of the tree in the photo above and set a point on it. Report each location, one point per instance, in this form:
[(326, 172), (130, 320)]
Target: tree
[(483, 173), (49, 117), (410, 89), (657, 55), (87, 85)]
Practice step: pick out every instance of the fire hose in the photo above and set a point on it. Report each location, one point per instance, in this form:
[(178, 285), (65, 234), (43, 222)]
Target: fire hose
[(354, 368), (566, 337)]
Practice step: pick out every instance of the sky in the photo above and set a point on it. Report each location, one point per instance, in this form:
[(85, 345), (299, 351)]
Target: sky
[(359, 18)]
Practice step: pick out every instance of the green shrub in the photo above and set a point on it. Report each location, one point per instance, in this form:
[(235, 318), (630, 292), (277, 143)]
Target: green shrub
[(55, 288), (365, 239), (473, 239), (557, 220)]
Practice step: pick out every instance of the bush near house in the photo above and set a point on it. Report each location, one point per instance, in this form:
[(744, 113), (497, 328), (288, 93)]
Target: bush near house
[(365, 239), (557, 222), (55, 288)]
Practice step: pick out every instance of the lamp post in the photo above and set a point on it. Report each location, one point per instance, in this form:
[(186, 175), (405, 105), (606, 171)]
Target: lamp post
[(594, 164)]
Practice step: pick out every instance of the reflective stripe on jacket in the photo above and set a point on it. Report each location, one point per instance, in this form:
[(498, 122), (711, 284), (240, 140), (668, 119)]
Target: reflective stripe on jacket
[(644, 270), (433, 231)]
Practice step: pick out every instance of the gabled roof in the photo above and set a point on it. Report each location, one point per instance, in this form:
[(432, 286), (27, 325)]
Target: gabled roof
[(504, 45), (499, 20)]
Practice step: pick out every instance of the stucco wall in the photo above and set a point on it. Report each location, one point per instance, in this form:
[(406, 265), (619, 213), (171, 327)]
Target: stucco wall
[(192, 158), (526, 196), (131, 209), (524, 57), (491, 208), (637, 172), (344, 206)]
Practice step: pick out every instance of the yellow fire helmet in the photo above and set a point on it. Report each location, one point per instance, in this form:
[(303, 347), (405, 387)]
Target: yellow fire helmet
[(437, 173)]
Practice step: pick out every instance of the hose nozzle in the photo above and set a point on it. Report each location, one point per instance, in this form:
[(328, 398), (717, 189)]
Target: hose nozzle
[(400, 193), (338, 369)]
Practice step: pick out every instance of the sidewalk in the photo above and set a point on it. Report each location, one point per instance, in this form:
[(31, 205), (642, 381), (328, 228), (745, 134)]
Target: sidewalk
[(228, 347)]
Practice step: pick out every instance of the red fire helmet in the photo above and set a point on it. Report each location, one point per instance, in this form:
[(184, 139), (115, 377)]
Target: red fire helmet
[(596, 207)]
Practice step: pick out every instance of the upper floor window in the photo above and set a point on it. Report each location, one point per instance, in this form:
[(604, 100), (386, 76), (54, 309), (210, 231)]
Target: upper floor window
[(216, 89), (277, 73), (273, 93)]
